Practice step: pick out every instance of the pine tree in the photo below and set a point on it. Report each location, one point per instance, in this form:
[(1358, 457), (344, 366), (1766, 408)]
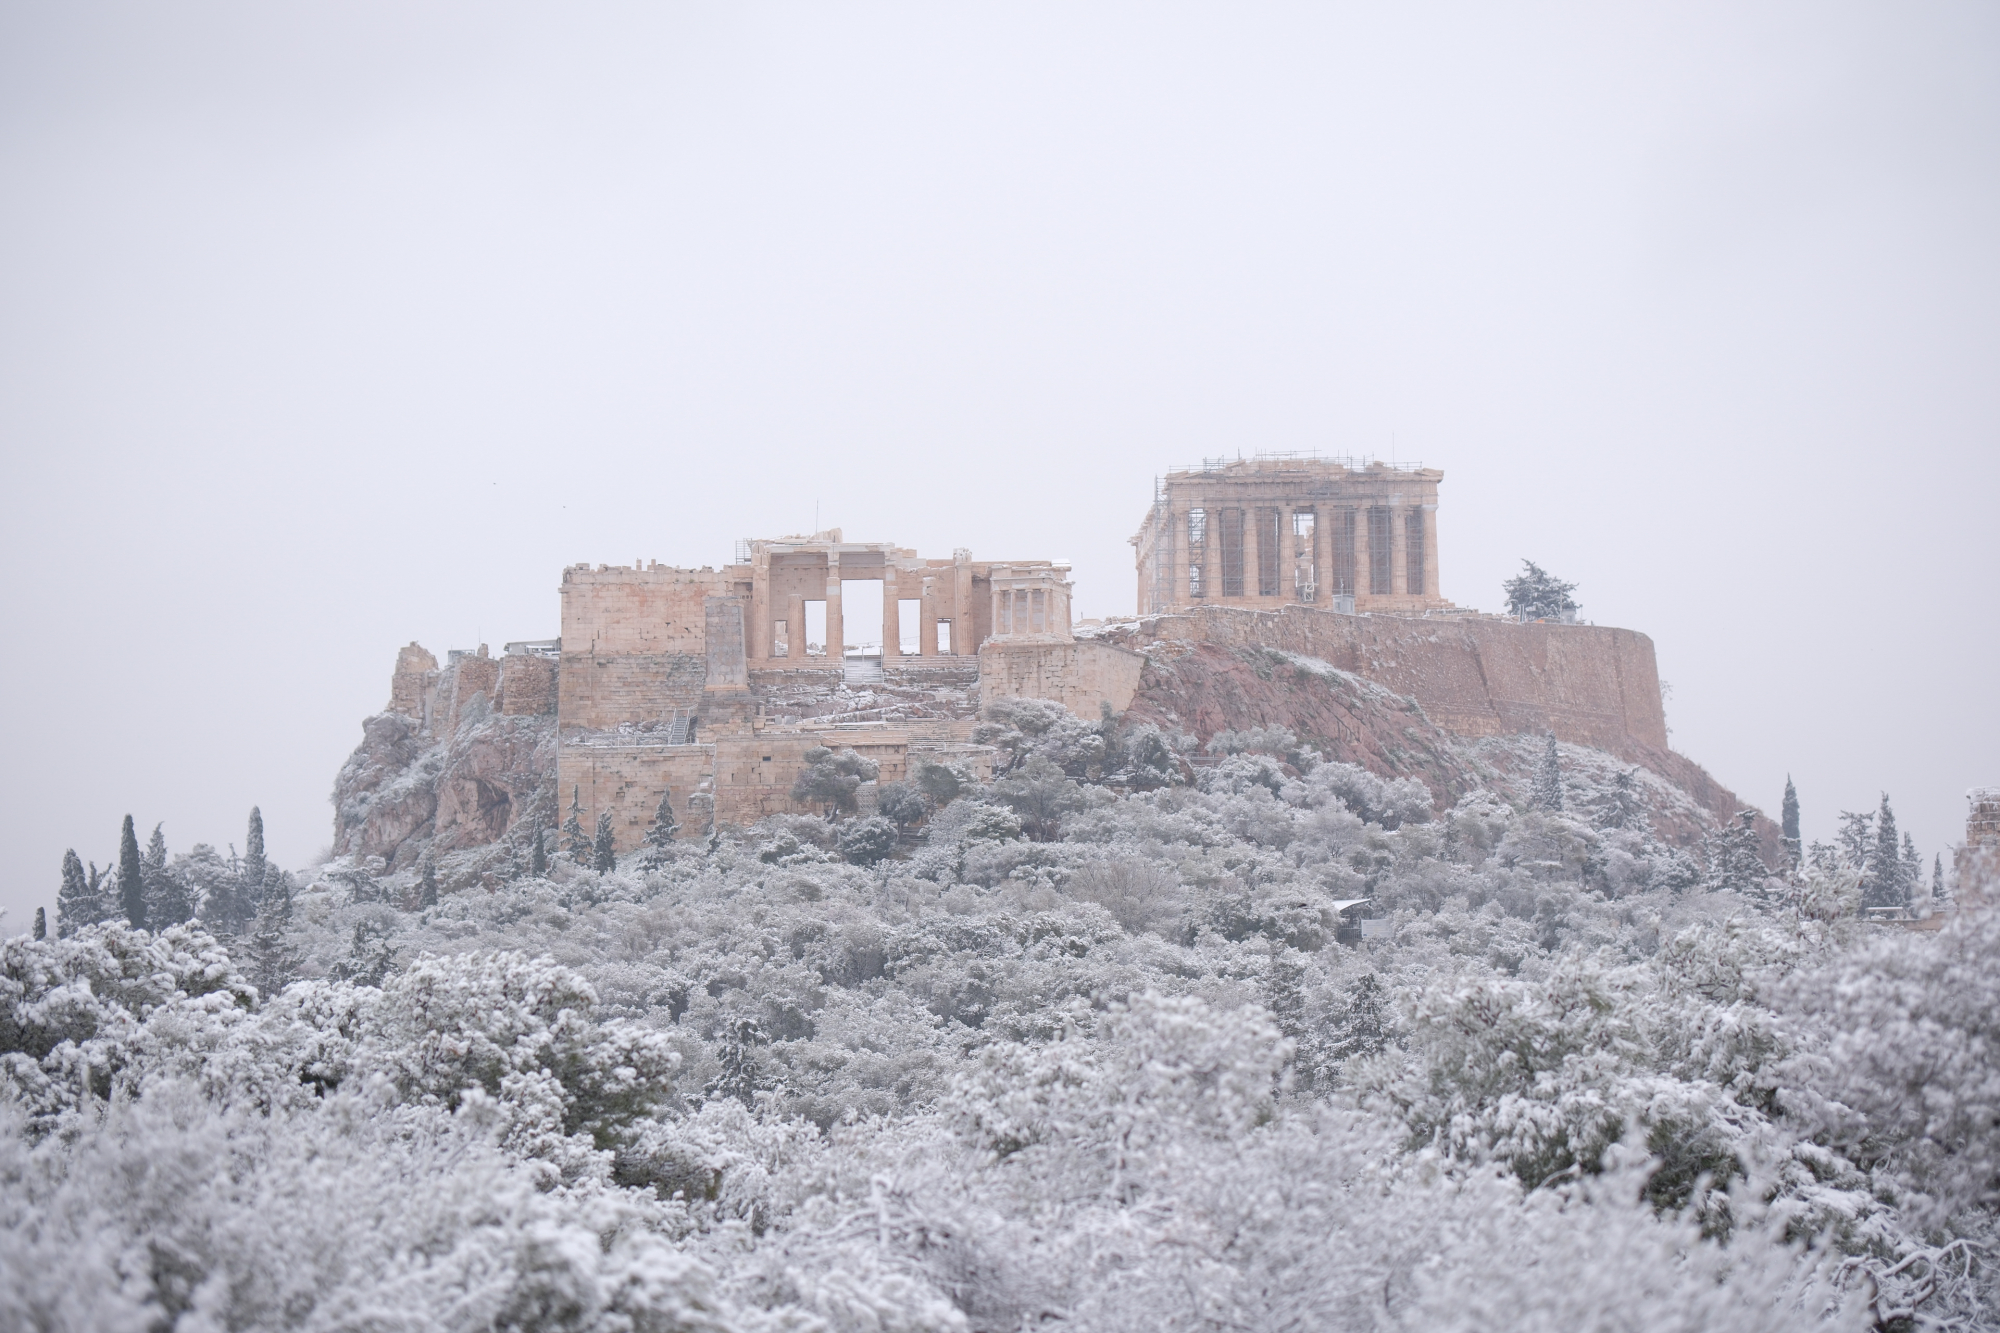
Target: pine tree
[(77, 903), (1736, 865), (538, 852), (1539, 595), (575, 844), (604, 858), (1548, 789), (1912, 870), (661, 835), (427, 885), (1883, 887), (1794, 849), (41, 923), (131, 882)]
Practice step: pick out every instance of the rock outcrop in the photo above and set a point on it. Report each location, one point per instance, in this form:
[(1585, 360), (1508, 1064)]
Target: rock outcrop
[(449, 766), (1204, 688)]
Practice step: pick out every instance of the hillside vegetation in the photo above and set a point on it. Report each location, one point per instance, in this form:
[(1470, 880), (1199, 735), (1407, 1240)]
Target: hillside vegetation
[(1038, 1053)]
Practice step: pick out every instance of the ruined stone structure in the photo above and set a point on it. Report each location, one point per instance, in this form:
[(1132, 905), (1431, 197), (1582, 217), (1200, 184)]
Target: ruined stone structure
[(1273, 589), (1279, 529), (714, 683), (1976, 862)]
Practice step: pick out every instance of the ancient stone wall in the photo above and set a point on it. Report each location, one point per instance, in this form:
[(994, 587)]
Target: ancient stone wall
[(527, 684), (619, 609), (626, 780), (1083, 675), (410, 685), (474, 675), (1474, 676)]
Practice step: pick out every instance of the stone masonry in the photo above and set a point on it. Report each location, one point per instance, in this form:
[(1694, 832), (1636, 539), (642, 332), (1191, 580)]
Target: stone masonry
[(712, 684)]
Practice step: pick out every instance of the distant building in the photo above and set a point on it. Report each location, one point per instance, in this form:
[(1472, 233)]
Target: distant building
[(1281, 529)]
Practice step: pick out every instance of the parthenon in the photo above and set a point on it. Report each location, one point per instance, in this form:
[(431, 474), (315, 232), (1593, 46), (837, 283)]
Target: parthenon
[(1281, 529)]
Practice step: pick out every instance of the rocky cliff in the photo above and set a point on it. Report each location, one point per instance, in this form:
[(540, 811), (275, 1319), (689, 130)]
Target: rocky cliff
[(462, 756), (1206, 688)]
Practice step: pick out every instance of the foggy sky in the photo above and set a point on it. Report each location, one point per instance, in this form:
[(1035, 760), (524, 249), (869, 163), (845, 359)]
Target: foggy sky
[(326, 328)]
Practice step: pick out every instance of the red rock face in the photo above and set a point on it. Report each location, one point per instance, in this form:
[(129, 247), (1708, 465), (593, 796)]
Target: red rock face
[(491, 773), (1205, 688)]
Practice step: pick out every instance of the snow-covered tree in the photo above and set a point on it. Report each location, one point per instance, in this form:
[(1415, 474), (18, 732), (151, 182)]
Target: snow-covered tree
[(603, 852), (830, 780), (661, 832), (1736, 863), (252, 870), (1535, 594), (1788, 823), (1549, 778), (1886, 888), (576, 843), (131, 877), (77, 901), (538, 852)]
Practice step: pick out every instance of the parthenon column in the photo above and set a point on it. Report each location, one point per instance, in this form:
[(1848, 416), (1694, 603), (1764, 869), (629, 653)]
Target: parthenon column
[(1253, 551)]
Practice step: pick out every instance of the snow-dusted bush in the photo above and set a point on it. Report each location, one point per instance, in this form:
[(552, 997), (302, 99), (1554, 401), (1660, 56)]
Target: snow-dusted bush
[(1070, 1047)]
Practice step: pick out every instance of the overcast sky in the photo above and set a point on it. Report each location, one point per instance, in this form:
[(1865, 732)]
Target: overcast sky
[(326, 328)]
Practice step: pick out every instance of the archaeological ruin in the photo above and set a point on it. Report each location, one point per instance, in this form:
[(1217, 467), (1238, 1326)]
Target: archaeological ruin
[(1282, 529), (1274, 590)]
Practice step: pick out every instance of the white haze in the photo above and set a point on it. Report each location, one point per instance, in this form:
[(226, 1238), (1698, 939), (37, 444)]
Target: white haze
[(325, 328)]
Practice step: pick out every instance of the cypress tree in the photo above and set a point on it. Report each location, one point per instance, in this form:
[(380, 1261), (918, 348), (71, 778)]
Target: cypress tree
[(131, 880), (41, 923), (167, 902), (538, 852), (252, 869), (574, 841), (1790, 818), (661, 835), (604, 859), (1939, 898), (427, 885), (77, 904), (1548, 789)]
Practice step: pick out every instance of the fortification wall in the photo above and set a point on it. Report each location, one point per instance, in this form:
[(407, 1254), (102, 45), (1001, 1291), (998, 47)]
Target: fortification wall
[(615, 610), (1590, 685), (527, 685), (598, 693), (1082, 675), (626, 781)]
